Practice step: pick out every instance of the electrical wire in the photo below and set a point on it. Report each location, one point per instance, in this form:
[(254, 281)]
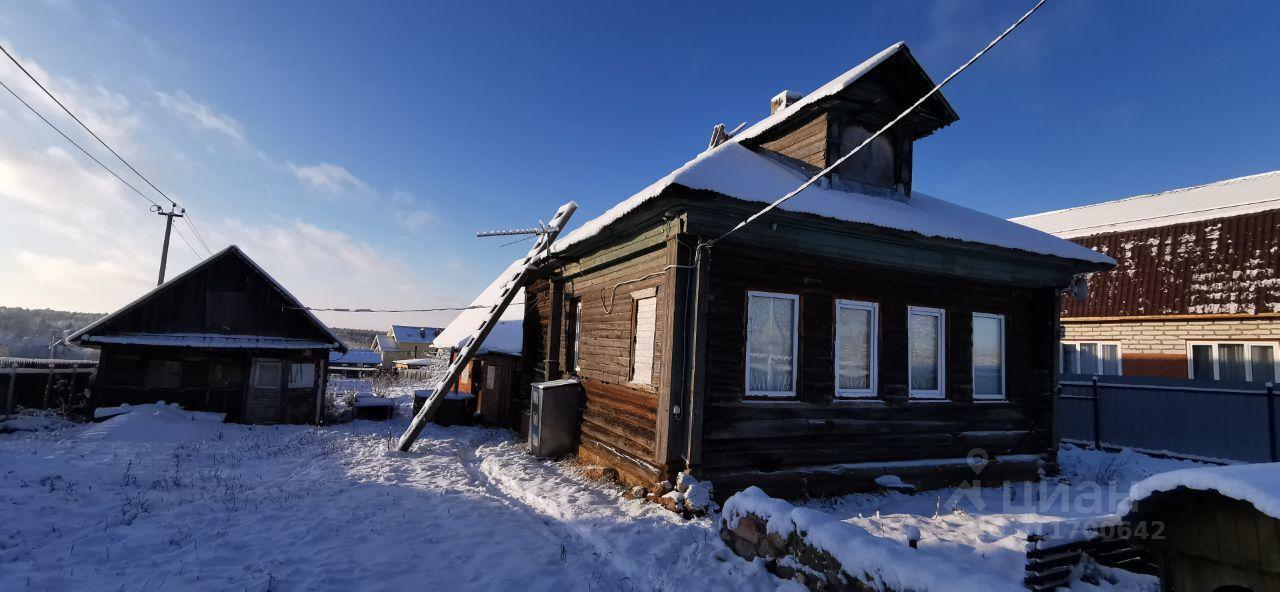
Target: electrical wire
[(82, 124), (441, 309), (199, 237), (820, 174), (77, 145), (188, 243)]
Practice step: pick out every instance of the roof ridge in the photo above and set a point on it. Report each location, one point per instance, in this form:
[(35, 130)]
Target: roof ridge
[(1218, 183)]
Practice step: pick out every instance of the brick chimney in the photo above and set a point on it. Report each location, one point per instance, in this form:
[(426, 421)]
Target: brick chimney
[(783, 100)]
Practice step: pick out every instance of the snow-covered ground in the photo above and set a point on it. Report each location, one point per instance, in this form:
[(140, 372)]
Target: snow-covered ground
[(159, 498)]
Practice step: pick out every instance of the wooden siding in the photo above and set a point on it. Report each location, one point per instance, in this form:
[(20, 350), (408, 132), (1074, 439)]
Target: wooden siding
[(1221, 266), (745, 436), (808, 143), (619, 420)]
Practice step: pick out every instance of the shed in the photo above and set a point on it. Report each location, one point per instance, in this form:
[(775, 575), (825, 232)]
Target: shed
[(1214, 529), (223, 336), (494, 373)]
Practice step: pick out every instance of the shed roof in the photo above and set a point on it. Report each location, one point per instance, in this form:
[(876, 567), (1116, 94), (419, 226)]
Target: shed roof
[(93, 332), (734, 170), (1221, 199), (1258, 484), (355, 356)]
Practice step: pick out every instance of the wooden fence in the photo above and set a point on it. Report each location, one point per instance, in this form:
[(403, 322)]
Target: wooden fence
[(1205, 420), (39, 383)]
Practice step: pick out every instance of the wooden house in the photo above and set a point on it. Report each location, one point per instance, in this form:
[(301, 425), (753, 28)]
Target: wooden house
[(1212, 529), (861, 329), (495, 373), (355, 363), (1195, 293), (223, 336)]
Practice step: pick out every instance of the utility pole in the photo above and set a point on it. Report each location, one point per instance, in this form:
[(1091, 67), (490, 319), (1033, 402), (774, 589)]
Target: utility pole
[(174, 212)]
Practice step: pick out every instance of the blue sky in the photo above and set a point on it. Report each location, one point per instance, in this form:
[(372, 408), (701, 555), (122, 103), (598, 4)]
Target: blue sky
[(354, 148)]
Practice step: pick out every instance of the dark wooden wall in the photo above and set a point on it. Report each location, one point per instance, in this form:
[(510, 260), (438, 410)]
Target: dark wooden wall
[(211, 380), (226, 297), (808, 143), (744, 437), (619, 423)]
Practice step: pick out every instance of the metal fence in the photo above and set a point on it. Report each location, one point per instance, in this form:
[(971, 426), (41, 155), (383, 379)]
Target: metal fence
[(1218, 421)]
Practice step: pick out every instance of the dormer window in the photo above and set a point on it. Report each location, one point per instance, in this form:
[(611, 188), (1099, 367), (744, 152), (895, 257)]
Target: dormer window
[(875, 164)]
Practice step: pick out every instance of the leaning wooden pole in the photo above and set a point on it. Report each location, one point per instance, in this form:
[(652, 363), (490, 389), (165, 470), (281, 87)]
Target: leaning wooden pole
[(546, 236)]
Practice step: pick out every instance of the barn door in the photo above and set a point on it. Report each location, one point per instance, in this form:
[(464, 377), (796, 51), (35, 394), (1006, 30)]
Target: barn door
[(266, 389)]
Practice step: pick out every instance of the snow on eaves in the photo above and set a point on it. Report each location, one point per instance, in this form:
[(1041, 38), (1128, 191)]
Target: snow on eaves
[(410, 334), (1258, 484), (1222, 199), (355, 356), (736, 171), (208, 340), (507, 337)]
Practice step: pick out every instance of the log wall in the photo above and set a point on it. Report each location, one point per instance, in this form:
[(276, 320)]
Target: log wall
[(744, 438)]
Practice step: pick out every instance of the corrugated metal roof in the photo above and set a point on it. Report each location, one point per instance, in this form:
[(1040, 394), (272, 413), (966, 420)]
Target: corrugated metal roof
[(1218, 266)]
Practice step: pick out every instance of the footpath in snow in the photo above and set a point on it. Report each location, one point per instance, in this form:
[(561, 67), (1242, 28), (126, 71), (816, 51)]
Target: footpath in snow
[(161, 499)]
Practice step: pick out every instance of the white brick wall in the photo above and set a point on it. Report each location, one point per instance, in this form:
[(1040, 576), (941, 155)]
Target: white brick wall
[(1171, 337)]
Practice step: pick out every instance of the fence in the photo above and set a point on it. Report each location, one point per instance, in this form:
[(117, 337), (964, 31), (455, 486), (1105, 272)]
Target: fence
[(36, 383), (1217, 421)]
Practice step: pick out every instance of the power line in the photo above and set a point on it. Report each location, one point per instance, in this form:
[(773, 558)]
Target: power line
[(199, 237), (872, 137), (77, 145), (441, 309), (188, 243), (86, 128)]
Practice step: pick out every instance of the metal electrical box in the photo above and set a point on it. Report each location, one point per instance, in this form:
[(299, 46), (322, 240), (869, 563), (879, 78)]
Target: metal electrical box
[(553, 417)]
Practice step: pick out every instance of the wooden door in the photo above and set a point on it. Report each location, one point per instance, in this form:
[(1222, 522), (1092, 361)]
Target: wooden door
[(266, 390)]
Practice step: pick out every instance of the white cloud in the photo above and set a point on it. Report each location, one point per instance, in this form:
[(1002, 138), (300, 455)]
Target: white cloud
[(202, 116), (330, 178)]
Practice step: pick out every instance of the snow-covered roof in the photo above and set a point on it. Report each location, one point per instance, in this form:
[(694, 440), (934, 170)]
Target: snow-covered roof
[(1232, 197), (1258, 484), (355, 356), (230, 250), (415, 362), (384, 343), (736, 171), (206, 340), (408, 334), (507, 337)]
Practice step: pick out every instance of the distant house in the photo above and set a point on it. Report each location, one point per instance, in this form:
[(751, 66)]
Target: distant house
[(494, 374), (404, 342), (355, 363), (1196, 289), (861, 329), (223, 336)]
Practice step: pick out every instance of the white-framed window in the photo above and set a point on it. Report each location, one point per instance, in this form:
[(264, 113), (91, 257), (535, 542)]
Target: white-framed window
[(988, 356), (577, 335), (857, 330), (1100, 358), (773, 322), (1239, 361), (644, 325), (926, 358), (302, 375)]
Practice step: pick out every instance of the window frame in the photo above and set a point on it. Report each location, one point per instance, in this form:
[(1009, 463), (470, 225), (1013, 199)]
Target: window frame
[(1248, 357), (577, 335), (1003, 395), (874, 356), (795, 347), (289, 383), (1062, 361), (636, 299), (939, 394)]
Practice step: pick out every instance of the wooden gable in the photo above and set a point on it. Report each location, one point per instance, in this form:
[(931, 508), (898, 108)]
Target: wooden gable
[(226, 294)]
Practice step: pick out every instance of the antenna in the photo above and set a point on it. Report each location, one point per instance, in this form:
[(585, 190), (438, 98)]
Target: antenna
[(540, 230)]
